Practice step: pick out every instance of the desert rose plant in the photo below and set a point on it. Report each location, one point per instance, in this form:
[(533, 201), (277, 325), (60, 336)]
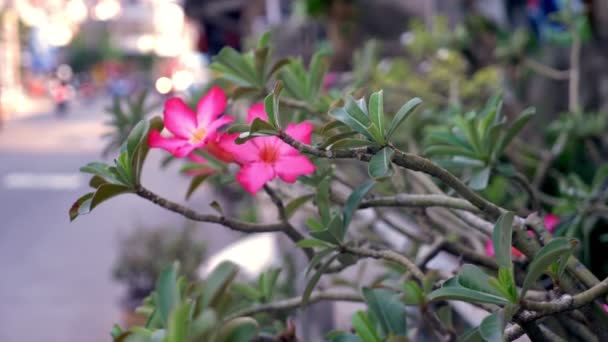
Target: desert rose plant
[(339, 168)]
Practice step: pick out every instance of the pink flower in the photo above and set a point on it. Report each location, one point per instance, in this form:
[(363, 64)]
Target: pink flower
[(551, 222), (221, 146), (264, 158), (191, 130)]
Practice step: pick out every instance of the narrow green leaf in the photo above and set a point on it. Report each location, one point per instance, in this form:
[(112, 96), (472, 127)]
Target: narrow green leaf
[(178, 325), (269, 281), (259, 125), (82, 206), (247, 291), (387, 310), (217, 207), (349, 143), (337, 137), (480, 179), (313, 243), (492, 328), (318, 67), (237, 65), (107, 191), (412, 293), (322, 200), (315, 278), (471, 335), (217, 282), (352, 116), (167, 294), (457, 292), (376, 111), (515, 128), (501, 239), (278, 65), (138, 134), (271, 110), (344, 337), (264, 39), (317, 259), (402, 114), (353, 201), (548, 254), (194, 184), (241, 329), (380, 166), (102, 170), (296, 203), (364, 328), (473, 278)]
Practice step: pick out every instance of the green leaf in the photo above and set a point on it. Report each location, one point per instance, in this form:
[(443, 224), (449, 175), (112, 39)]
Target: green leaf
[(344, 337), (353, 201), (349, 143), (473, 278), (457, 292), (384, 305), (492, 328), (317, 259), (471, 335), (322, 200), (259, 125), (313, 243), (178, 325), (217, 207), (237, 65), (105, 192), (315, 278), (217, 282), (515, 128), (364, 328), (402, 114), (167, 294), (138, 135), (352, 116), (318, 67), (141, 152), (501, 239), (480, 179), (412, 293), (376, 110), (271, 106), (102, 170), (264, 39), (549, 253), (82, 206), (241, 329), (337, 137), (202, 324), (247, 291), (194, 184), (296, 203), (268, 281), (380, 166)]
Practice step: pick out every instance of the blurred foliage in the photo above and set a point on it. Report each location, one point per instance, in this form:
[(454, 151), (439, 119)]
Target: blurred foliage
[(145, 252)]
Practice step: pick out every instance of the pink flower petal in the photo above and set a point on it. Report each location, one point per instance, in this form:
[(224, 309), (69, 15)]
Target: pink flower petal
[(551, 222), (222, 146), (210, 106), (290, 167), (178, 118), (245, 153), (253, 176), (256, 111), (176, 146), (215, 125), (302, 132)]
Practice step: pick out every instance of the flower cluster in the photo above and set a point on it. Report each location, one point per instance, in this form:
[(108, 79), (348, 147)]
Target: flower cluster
[(261, 159)]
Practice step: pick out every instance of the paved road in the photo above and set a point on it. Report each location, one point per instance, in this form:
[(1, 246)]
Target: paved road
[(55, 284)]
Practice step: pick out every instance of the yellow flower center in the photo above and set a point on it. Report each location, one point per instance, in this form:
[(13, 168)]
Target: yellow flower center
[(198, 135)]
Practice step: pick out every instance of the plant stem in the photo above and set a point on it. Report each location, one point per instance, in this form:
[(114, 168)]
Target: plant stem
[(387, 255), (408, 200)]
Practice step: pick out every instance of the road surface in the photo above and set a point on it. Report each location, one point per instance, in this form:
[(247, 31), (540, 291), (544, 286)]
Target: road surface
[(56, 281)]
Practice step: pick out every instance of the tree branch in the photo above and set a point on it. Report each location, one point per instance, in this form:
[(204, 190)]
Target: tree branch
[(408, 200), (296, 302), (388, 255)]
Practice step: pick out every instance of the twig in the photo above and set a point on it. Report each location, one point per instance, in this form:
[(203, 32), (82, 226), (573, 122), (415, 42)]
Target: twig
[(289, 230), (567, 302), (409, 200), (547, 71), (295, 302), (388, 255)]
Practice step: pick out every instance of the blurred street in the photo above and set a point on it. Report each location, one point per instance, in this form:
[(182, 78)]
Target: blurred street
[(56, 274)]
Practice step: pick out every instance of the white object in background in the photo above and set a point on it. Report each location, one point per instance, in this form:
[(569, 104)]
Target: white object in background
[(253, 255)]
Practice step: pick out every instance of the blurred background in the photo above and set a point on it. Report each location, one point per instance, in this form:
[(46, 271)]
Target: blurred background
[(70, 66)]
